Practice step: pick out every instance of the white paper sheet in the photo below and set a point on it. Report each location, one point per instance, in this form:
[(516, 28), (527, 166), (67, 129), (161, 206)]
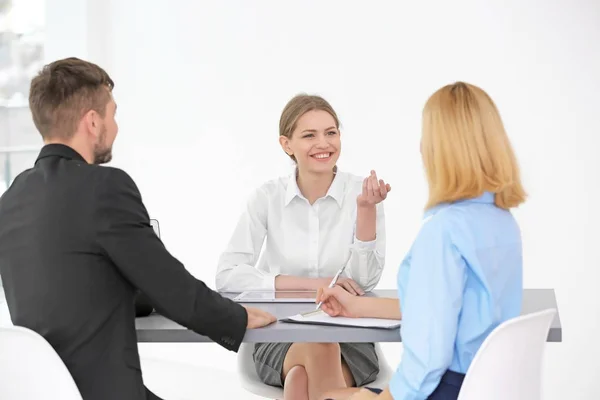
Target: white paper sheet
[(321, 318)]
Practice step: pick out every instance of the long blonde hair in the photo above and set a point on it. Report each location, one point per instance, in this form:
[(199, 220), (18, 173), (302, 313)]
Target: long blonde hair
[(465, 149)]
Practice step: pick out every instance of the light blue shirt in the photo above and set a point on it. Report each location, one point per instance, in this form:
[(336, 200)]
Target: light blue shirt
[(461, 278)]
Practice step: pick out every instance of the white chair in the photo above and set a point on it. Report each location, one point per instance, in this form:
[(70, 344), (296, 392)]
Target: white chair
[(30, 368), (156, 226), (252, 383), (509, 363), (4, 313), (176, 379)]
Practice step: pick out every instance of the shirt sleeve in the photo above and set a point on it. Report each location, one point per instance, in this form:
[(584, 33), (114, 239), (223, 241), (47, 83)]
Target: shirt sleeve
[(431, 296), (236, 269), (367, 259)]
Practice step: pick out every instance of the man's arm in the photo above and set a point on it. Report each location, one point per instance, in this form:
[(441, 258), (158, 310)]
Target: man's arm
[(127, 238), (142, 305)]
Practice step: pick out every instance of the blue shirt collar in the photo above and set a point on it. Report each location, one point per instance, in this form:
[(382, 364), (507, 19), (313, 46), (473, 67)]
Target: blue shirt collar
[(485, 198)]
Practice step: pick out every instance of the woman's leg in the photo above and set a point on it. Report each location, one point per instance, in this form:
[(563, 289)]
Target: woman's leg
[(322, 363), (295, 386), (340, 394), (365, 367)]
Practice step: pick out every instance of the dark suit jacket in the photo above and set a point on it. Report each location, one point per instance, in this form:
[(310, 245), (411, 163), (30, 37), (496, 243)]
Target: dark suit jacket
[(75, 244)]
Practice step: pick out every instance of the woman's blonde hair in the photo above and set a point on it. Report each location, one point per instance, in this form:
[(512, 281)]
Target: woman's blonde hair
[(297, 107), (465, 149)]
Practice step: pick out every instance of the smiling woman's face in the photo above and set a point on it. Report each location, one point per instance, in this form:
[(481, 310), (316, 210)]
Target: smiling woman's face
[(315, 143)]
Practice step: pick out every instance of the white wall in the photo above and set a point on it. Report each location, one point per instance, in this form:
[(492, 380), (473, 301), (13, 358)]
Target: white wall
[(200, 86)]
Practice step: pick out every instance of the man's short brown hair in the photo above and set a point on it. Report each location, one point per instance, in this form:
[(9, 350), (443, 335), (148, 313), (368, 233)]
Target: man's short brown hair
[(63, 92)]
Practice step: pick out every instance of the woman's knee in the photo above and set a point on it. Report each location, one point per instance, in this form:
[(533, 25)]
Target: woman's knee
[(321, 350), (295, 385), (311, 355), (296, 376)]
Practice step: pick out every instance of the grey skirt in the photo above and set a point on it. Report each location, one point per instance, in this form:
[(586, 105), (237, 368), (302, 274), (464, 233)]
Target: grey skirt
[(360, 357)]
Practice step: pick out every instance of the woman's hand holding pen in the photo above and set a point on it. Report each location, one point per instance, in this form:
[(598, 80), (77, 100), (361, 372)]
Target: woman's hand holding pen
[(339, 303)]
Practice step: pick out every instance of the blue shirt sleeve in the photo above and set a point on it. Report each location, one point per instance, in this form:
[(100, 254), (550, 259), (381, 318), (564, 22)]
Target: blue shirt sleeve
[(431, 282)]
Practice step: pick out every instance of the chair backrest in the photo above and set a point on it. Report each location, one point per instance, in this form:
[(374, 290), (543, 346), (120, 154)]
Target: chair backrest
[(31, 369), (248, 377), (509, 363), (155, 226), (4, 313)]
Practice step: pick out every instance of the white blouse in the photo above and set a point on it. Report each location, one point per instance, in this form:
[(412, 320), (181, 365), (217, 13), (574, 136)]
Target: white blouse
[(302, 239)]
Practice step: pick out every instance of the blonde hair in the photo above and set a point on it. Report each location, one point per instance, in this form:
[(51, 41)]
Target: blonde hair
[(465, 149), (297, 107)]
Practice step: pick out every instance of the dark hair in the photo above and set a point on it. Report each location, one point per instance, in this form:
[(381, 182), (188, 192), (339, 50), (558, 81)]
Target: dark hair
[(63, 91)]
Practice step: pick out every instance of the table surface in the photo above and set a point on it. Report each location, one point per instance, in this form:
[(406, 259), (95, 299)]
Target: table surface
[(157, 328)]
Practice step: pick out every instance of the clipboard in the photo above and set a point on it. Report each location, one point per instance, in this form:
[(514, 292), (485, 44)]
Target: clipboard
[(321, 318)]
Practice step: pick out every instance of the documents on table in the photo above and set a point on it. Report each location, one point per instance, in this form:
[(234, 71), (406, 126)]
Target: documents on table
[(321, 318)]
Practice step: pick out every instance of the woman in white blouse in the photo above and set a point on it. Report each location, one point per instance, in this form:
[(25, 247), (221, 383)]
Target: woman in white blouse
[(315, 221)]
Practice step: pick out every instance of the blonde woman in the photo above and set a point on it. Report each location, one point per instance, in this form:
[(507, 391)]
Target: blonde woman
[(315, 221), (462, 276)]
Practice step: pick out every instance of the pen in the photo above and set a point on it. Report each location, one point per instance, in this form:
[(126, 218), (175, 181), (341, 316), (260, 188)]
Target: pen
[(332, 284)]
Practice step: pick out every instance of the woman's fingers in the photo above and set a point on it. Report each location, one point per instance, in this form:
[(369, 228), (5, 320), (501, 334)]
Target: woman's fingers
[(356, 288), (382, 189), (349, 288)]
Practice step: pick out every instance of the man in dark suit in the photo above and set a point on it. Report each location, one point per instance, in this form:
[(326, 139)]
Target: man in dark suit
[(76, 243)]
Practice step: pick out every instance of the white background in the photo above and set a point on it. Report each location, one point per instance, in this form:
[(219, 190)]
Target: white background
[(200, 87)]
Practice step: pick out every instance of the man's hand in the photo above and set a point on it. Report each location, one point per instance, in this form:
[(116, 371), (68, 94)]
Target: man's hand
[(258, 318), (350, 286)]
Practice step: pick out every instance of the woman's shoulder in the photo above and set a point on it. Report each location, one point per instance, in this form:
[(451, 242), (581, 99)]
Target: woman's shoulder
[(470, 222), (352, 182), (272, 188), (353, 178)]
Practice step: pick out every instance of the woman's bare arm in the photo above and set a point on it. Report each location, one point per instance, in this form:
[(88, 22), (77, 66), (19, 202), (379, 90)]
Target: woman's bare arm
[(376, 307)]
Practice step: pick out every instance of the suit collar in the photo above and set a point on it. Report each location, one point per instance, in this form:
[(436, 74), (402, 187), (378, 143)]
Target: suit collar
[(59, 150)]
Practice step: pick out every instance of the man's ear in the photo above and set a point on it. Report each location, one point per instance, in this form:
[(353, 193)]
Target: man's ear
[(91, 121), (285, 145)]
